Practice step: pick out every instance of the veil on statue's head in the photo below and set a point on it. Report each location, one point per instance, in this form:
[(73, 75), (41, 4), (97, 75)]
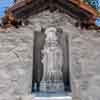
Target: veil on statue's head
[(50, 29), (50, 33)]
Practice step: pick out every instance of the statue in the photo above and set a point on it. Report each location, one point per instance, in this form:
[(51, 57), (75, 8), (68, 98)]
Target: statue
[(52, 60)]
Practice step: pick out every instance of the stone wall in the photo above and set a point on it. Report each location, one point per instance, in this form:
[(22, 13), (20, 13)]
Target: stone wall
[(15, 63), (16, 48), (85, 64)]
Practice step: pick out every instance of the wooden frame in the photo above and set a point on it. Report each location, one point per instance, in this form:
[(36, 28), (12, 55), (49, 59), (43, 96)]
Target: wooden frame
[(74, 8)]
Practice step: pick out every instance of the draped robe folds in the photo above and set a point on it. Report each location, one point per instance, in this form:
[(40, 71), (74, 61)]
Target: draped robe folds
[(52, 62)]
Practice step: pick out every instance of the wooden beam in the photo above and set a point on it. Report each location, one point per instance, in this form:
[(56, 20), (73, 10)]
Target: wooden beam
[(84, 6), (74, 8)]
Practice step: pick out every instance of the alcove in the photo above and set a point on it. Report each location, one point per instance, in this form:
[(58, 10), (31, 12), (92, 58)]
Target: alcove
[(38, 68)]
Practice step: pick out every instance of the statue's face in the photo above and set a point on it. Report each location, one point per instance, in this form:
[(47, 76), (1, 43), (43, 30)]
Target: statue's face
[(51, 37), (51, 33)]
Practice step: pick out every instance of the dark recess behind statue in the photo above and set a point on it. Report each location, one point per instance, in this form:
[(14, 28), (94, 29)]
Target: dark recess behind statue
[(37, 56)]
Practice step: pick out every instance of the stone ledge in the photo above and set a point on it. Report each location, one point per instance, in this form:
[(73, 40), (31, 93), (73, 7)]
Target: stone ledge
[(31, 97)]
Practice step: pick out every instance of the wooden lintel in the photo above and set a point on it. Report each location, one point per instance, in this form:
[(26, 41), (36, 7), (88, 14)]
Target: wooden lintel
[(73, 8)]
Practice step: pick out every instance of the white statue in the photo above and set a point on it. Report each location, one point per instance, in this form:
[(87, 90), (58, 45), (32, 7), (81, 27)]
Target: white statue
[(52, 57)]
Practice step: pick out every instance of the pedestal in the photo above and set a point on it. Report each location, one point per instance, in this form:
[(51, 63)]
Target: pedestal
[(52, 87)]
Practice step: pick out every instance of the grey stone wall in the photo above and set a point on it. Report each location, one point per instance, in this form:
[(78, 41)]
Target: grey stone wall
[(16, 58), (15, 63), (85, 64)]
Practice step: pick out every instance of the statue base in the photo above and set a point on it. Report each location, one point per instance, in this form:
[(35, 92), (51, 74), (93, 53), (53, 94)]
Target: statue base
[(52, 87)]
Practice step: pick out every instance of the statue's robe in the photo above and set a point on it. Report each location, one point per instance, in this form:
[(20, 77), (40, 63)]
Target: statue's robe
[(52, 61)]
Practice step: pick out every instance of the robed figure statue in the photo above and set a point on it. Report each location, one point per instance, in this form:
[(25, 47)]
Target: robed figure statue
[(52, 61)]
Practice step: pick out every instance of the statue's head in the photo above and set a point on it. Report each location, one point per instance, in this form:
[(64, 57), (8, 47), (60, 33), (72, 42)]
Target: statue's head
[(51, 34), (50, 30)]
